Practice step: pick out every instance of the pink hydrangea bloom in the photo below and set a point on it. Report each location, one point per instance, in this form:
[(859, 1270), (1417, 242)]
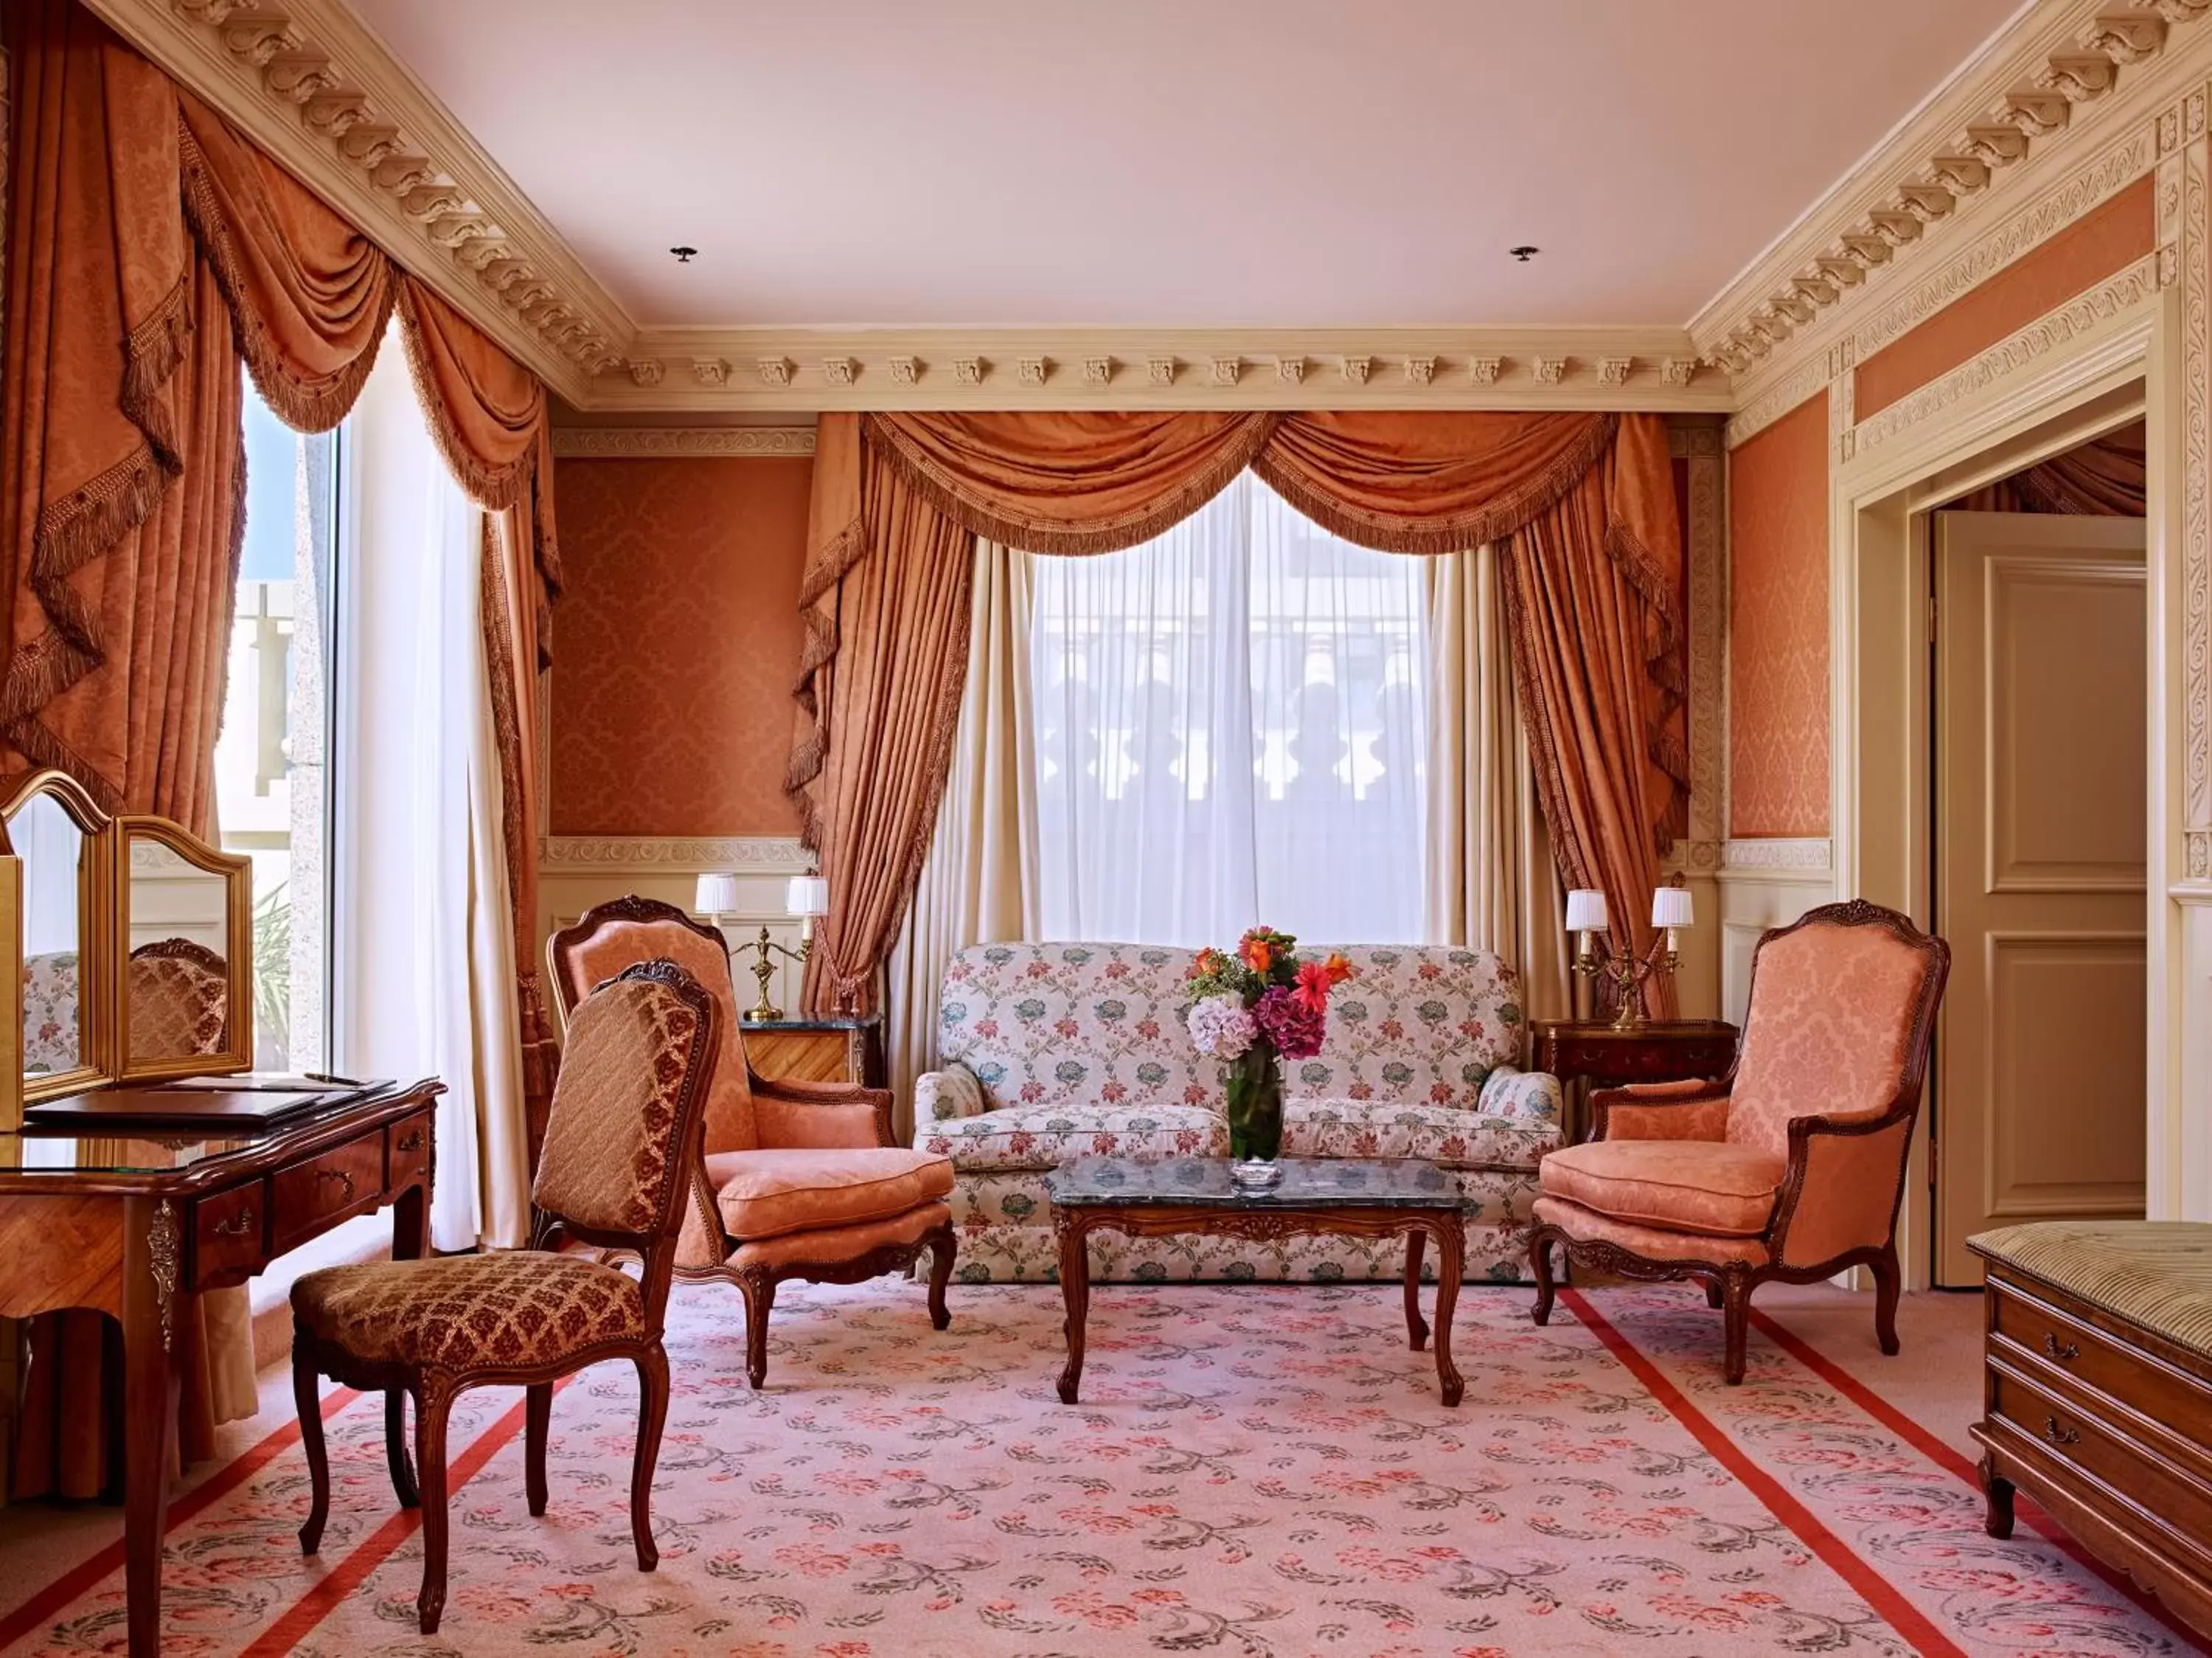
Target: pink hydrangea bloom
[(1221, 1026)]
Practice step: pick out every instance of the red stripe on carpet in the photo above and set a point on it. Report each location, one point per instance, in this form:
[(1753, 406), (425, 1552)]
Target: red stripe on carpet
[(1899, 1614), (349, 1574), (42, 1607), (1951, 1460)]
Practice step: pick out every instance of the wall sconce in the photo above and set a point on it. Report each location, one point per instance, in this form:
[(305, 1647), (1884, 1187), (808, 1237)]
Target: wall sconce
[(1586, 919)]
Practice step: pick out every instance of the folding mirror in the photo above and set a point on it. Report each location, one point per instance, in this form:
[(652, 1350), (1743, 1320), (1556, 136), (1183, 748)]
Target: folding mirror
[(65, 1000), (185, 1000)]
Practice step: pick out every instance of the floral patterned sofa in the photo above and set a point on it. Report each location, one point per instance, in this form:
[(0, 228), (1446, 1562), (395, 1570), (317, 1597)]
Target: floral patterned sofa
[(1050, 1052)]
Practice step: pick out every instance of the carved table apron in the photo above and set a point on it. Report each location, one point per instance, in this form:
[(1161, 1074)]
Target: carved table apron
[(1442, 1221), (137, 1224)]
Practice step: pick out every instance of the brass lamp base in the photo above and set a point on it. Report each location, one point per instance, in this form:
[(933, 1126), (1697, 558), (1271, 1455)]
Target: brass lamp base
[(764, 969)]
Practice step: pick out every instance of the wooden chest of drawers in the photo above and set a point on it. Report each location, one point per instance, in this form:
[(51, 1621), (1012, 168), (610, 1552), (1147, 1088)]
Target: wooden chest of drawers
[(2108, 1425)]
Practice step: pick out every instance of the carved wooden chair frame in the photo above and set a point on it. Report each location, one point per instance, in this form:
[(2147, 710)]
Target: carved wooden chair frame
[(757, 1284), (435, 1389), (1728, 1284)]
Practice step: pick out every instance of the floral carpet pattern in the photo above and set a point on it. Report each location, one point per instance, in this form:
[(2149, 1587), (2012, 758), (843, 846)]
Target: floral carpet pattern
[(1254, 1470)]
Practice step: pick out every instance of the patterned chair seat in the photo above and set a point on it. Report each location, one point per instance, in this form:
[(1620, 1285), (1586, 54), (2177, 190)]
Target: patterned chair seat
[(1029, 1137), (520, 1307), (1385, 1128)]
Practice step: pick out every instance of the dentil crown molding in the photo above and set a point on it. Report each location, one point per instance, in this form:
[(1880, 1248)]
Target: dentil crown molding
[(312, 85), (1975, 171), (680, 442), (1134, 368)]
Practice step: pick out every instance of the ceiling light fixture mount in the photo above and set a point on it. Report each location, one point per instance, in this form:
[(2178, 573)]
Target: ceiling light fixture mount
[(685, 255), (1524, 253)]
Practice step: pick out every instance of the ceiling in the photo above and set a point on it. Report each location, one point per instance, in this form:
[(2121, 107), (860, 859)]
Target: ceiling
[(1175, 163)]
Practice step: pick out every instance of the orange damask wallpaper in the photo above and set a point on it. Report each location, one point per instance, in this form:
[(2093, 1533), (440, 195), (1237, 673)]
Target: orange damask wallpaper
[(1779, 627), (676, 644), (2092, 249)]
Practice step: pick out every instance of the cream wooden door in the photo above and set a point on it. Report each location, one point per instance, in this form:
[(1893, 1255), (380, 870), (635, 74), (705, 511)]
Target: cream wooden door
[(2041, 824)]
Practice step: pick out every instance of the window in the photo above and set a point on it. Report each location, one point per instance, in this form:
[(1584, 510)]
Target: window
[(1231, 727), (272, 778)]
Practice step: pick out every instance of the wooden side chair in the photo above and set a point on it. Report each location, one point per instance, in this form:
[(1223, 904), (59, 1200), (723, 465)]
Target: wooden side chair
[(1791, 1167), (798, 1180), (624, 1130)]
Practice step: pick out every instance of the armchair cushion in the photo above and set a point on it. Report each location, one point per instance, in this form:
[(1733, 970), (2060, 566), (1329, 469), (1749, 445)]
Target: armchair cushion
[(519, 1307), (835, 1243), (791, 1114), (1035, 1137), (768, 1193), (1679, 1186), (1649, 1243)]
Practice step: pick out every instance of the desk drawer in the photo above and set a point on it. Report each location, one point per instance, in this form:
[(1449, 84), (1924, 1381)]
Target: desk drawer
[(2045, 1341), (314, 1195), (229, 1234), (408, 1153), (2077, 1438)]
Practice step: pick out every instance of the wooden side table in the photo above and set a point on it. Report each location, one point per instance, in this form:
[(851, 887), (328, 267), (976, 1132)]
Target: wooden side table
[(818, 1049), (1594, 1052)]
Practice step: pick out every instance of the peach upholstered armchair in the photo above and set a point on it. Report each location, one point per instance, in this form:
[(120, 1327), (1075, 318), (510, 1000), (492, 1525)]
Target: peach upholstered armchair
[(1789, 1167), (799, 1180)]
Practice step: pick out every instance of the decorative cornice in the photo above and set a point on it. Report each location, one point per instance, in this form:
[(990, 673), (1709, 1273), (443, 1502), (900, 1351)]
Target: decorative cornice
[(2070, 67), (2109, 301), (1777, 400), (1778, 855), (744, 855), (1218, 368), (671, 442), (311, 84)]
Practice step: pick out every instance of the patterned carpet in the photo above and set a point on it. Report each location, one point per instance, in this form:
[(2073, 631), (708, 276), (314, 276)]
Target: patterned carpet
[(1256, 1471)]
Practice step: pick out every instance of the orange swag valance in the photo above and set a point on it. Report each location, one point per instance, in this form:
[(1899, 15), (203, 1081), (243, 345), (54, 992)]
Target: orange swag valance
[(1583, 503)]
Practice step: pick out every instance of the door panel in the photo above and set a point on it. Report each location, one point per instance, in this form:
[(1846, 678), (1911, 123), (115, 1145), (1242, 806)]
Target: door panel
[(2040, 832)]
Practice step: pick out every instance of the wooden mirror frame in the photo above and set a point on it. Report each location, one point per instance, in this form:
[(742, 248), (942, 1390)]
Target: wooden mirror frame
[(95, 927), (236, 1053)]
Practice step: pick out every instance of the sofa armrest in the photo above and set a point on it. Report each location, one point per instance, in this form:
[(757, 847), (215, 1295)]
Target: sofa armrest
[(1527, 1096), (941, 1095), (1692, 1109), (819, 1116)]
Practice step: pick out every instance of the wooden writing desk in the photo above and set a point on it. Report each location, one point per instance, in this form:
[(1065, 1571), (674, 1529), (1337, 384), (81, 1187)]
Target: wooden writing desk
[(136, 1224)]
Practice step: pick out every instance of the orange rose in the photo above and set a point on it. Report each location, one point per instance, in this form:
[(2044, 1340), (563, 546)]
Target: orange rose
[(1256, 954), (1338, 968)]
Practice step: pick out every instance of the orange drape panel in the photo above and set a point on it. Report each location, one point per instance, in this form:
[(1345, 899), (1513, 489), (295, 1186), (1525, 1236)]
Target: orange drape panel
[(488, 415), (897, 496)]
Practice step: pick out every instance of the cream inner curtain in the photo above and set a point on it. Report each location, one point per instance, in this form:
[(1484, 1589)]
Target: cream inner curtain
[(979, 885), (1489, 881)]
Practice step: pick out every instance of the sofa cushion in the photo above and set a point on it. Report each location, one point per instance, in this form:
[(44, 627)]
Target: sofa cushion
[(768, 1193), (1378, 1128), (1681, 1186), (1020, 1137)]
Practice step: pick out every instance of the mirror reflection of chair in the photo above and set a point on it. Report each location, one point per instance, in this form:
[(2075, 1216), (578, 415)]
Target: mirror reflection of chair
[(799, 1180), (180, 996), (61, 911), (623, 1134)]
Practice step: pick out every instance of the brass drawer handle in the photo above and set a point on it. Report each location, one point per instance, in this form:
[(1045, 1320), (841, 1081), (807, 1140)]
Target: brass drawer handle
[(237, 1226), (412, 1141), (2065, 1353), (337, 1174), (2058, 1436)]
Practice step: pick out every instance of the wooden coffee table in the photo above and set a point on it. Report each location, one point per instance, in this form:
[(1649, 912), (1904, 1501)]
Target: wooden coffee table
[(1380, 1198)]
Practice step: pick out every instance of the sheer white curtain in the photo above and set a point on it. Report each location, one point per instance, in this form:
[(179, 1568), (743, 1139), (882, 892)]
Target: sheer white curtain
[(1230, 728), (424, 954)]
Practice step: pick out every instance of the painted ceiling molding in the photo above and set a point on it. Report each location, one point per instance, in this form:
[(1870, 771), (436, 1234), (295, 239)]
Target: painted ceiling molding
[(1134, 368), (307, 81), (2069, 70), (666, 443)]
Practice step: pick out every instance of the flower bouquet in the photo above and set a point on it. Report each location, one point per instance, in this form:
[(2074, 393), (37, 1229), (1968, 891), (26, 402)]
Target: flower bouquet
[(1251, 1009)]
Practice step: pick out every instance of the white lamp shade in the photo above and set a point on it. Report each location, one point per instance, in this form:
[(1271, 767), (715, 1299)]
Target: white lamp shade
[(1586, 910), (1671, 907), (807, 895), (717, 895)]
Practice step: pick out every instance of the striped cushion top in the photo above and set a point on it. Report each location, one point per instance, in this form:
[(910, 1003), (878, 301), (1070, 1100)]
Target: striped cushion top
[(2157, 1274)]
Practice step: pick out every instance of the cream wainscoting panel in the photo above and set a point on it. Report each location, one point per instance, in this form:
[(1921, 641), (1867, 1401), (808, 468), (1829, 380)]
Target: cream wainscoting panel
[(1763, 884), (578, 871)]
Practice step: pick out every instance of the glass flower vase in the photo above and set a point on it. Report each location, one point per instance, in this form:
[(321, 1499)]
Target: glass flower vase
[(1255, 1086)]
